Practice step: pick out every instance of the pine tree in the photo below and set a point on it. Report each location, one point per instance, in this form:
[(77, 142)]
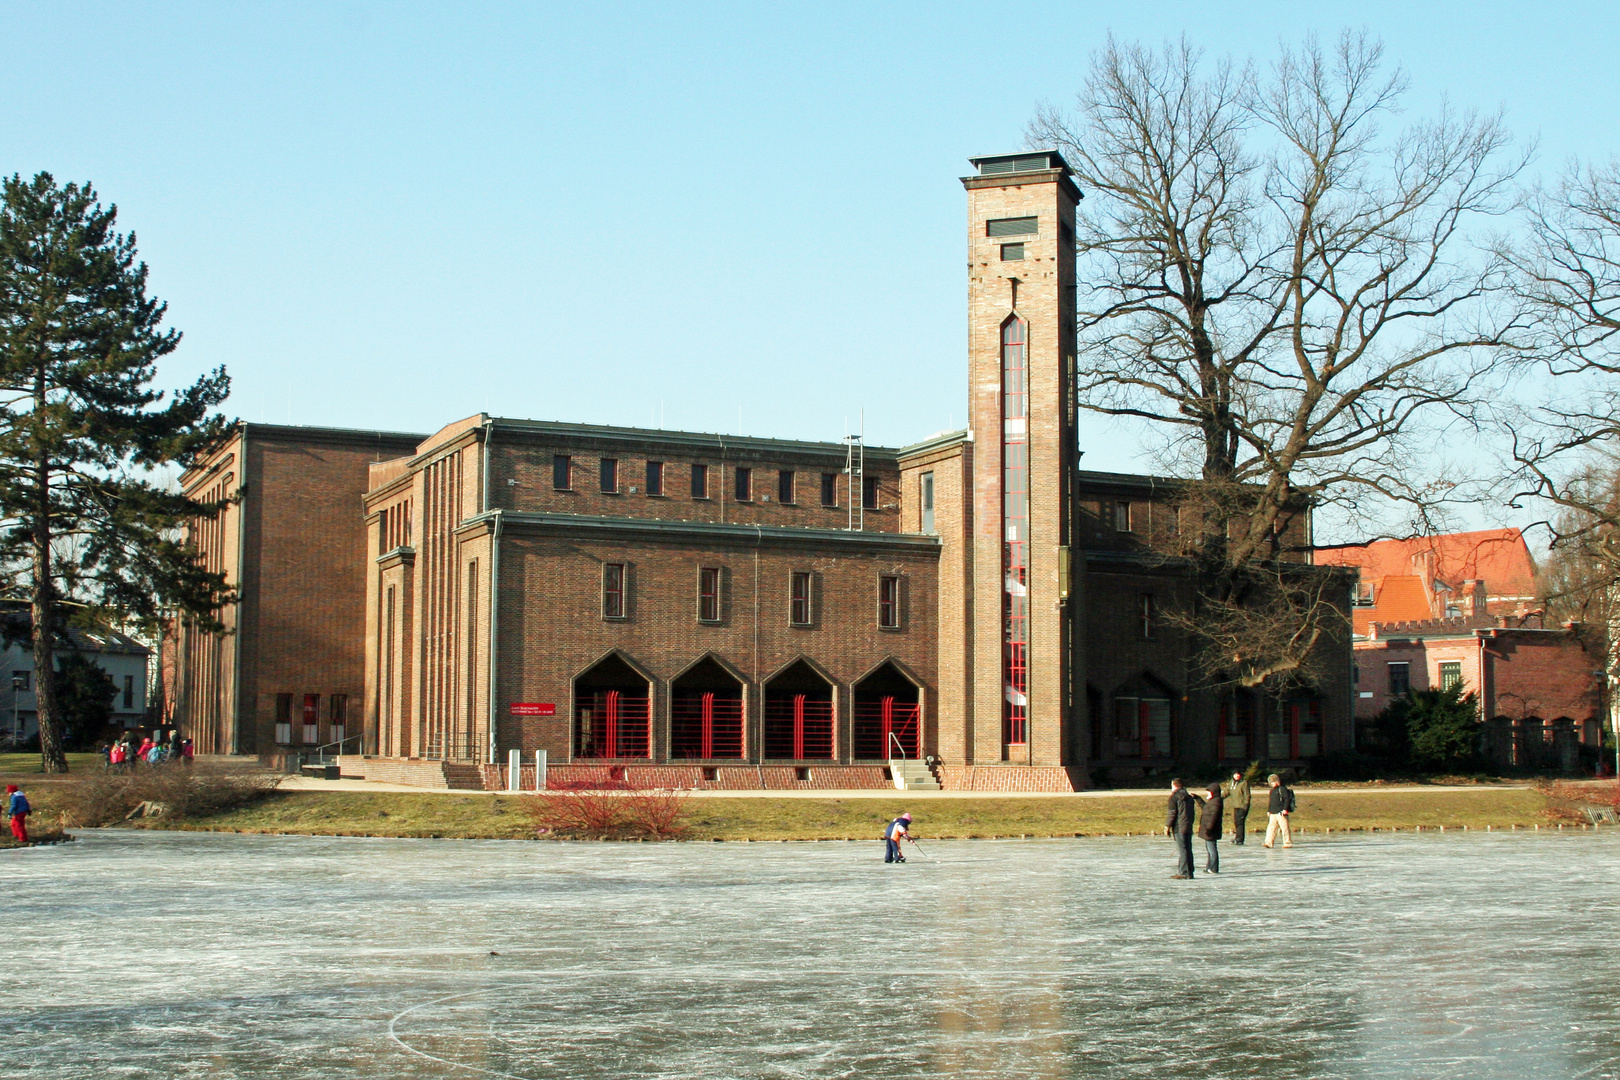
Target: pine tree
[(88, 526)]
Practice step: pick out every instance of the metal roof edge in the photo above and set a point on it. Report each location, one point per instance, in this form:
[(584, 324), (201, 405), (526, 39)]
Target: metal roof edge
[(728, 530)]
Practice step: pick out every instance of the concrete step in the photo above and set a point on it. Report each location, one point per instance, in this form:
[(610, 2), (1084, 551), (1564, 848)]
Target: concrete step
[(912, 775)]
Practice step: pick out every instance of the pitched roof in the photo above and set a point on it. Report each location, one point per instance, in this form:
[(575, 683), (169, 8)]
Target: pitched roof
[(1499, 557)]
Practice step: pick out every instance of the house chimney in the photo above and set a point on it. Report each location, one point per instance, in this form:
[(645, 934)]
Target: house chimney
[(1473, 598)]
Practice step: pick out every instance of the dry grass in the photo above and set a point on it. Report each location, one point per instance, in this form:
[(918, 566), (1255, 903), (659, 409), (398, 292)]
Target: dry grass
[(102, 797), (507, 817)]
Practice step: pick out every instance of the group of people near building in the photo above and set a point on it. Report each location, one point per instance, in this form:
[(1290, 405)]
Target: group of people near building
[(1189, 814), (124, 754)]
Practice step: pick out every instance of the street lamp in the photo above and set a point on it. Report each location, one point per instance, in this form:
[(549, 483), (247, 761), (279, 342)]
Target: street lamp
[(18, 685)]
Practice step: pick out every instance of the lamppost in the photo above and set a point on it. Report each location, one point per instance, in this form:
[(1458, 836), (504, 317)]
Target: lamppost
[(18, 685)]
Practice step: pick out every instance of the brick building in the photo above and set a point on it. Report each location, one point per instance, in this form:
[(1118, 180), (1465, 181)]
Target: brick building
[(748, 612), (294, 547)]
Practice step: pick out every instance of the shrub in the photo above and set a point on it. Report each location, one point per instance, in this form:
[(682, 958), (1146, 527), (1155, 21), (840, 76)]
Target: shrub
[(623, 812), (104, 797), (1566, 801)]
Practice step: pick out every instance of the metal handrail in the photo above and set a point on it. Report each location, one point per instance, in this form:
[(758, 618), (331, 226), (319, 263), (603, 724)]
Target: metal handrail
[(321, 750), (896, 740)]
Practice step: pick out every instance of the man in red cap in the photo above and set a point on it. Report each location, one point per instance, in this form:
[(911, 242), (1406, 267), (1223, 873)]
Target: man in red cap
[(17, 806), (897, 831)]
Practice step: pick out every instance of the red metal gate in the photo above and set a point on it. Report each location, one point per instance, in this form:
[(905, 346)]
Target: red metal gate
[(613, 724), (706, 724), (879, 718), (798, 726)]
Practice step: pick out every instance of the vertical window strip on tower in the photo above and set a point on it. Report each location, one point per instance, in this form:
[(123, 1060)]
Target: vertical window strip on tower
[(1015, 525)]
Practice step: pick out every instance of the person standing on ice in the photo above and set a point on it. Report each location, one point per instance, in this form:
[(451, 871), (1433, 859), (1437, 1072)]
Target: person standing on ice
[(1278, 807), (1209, 829), (1237, 793), (17, 806), (1178, 825), (899, 829)]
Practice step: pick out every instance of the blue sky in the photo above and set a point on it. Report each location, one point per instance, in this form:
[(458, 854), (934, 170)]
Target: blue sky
[(710, 217)]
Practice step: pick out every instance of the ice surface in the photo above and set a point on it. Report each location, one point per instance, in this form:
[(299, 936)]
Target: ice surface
[(185, 954)]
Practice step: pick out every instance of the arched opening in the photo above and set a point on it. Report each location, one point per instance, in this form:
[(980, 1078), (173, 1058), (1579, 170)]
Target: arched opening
[(1143, 720), (612, 712), (1301, 734), (799, 715), (706, 713), (1235, 736), (888, 718)]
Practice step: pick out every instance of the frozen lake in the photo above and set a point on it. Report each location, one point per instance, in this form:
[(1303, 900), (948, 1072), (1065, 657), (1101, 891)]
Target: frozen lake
[(176, 954)]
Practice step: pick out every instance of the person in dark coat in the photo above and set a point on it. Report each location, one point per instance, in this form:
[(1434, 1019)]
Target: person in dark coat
[(1236, 792), (1209, 829), (1278, 806), (1178, 825)]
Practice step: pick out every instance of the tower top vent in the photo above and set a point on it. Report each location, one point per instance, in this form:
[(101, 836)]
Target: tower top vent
[(1027, 162)]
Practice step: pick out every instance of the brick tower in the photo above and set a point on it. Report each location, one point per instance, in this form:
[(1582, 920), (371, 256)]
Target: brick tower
[(1020, 401)]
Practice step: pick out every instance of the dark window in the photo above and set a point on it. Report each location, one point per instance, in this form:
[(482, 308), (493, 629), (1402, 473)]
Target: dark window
[(928, 502), (709, 594), (784, 486), (1400, 679), (1450, 674), (337, 708), (655, 477), (283, 708), (1147, 611), (129, 691), (869, 492), (312, 718), (744, 484), (1015, 226), (1012, 252), (700, 481), (829, 489), (799, 606), (21, 681), (562, 472), (1122, 516), (613, 590), (610, 475), (889, 602)]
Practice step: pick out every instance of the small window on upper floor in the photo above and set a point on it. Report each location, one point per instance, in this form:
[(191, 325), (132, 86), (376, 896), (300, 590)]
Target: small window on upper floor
[(562, 472), (1400, 678), (700, 481), (1122, 516), (1012, 252), (927, 499), (869, 492), (1450, 674), (655, 478), (610, 476), (613, 590), (1148, 616), (744, 484), (1015, 226), (799, 598), (1363, 595), (708, 609), (784, 487), (889, 602), (829, 489)]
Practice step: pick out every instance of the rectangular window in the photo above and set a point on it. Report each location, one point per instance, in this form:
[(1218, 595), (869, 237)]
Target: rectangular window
[(744, 486), (129, 691), (1012, 252), (21, 681), (610, 476), (613, 590), (1122, 516), (889, 602), (655, 477), (709, 594), (1149, 616), (927, 500), (700, 481), (1364, 594), (1400, 679), (284, 719), (562, 472), (799, 606), (784, 487), (829, 489), (337, 709), (869, 493), (312, 719), (1450, 674), (1015, 226)]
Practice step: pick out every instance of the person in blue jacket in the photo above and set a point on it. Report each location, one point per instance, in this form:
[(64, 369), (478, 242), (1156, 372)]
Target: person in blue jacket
[(17, 806), (897, 830)]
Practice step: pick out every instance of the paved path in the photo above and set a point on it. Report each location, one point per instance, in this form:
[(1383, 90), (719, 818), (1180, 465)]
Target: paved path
[(305, 783)]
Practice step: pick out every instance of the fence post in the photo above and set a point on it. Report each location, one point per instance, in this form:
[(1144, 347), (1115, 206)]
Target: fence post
[(539, 770), (514, 770)]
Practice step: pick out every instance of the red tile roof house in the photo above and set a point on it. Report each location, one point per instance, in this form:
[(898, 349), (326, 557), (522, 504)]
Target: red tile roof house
[(1462, 608)]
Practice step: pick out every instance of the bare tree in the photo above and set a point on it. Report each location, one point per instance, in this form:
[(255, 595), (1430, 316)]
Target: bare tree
[(1290, 295), (1567, 449)]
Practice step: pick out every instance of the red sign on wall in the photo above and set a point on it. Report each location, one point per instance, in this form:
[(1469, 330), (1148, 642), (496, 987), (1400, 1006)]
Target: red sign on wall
[(533, 708)]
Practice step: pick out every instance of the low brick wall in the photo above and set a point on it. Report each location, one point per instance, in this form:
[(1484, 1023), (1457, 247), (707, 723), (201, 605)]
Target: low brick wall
[(414, 772), (1050, 778), (691, 777)]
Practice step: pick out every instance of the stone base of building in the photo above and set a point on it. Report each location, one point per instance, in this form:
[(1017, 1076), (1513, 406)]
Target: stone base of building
[(1034, 778)]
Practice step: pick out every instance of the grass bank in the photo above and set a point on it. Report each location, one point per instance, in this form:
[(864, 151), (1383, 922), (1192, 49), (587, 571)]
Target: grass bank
[(344, 813)]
